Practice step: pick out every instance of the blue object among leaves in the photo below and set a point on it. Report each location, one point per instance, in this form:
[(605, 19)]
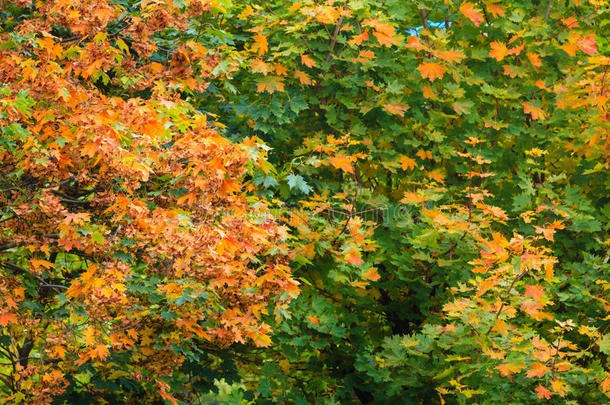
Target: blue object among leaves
[(431, 24)]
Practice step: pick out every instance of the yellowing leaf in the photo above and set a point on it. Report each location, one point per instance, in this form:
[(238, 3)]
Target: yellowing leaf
[(498, 50), (371, 274), (471, 13), (413, 198), (258, 66), (313, 319), (395, 108), (270, 84), (307, 61), (342, 162), (432, 70), (542, 392), (535, 112), (534, 59), (538, 370), (6, 318), (407, 163), (508, 369), (451, 56), (260, 45)]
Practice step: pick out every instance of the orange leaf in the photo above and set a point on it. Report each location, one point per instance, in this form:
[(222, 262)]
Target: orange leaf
[(260, 44), (534, 291), (313, 319), (270, 84), (536, 112), (538, 370), (451, 56), (407, 163), (498, 51), (396, 109), (508, 369), (302, 76), (495, 10), (100, 352), (6, 318), (258, 66), (543, 392), (534, 59), (342, 162), (307, 61), (411, 198), (588, 45), (431, 70), (371, 274), (471, 13)]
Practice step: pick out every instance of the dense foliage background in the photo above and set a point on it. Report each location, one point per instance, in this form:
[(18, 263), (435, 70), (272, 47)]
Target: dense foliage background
[(320, 202)]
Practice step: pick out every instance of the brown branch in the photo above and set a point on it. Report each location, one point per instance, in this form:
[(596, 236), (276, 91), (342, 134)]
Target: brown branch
[(548, 10), (506, 296), (333, 40), (424, 18)]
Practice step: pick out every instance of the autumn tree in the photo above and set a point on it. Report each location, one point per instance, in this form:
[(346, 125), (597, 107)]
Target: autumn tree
[(130, 239), (444, 168), (437, 173)]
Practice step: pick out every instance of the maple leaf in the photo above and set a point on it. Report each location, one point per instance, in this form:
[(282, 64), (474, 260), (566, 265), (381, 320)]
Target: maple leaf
[(358, 39), (100, 352), (395, 108), (534, 59), (538, 370), (432, 70), (6, 318), (41, 263), (407, 163), (559, 387), (471, 13), (451, 56), (498, 51), (313, 319), (371, 274), (437, 176), (495, 10), (543, 392), (258, 66), (353, 256), (59, 351), (509, 368), (307, 61), (534, 291), (342, 162), (535, 112), (413, 198), (279, 69), (588, 45), (384, 33), (270, 84), (260, 45)]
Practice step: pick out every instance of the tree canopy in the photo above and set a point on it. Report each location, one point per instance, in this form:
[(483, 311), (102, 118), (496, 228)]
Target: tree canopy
[(320, 202)]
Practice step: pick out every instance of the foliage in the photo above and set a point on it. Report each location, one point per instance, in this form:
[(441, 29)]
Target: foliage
[(443, 200)]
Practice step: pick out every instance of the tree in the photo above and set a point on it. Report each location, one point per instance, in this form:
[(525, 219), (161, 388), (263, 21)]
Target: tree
[(130, 239), (446, 189), (441, 198)]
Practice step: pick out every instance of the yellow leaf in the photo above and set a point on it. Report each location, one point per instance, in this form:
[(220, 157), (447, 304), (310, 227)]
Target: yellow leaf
[(260, 45), (413, 198)]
